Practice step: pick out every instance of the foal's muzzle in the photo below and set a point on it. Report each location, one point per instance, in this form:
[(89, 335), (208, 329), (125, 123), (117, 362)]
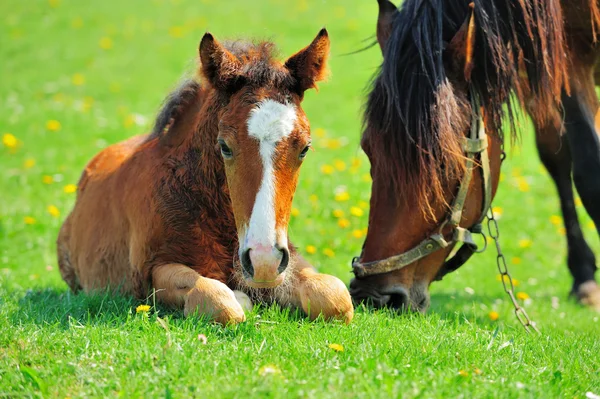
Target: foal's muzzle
[(263, 266)]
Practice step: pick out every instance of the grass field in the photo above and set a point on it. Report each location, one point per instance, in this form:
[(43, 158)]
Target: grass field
[(77, 77)]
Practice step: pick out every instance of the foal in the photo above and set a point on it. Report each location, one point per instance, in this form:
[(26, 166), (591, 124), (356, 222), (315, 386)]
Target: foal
[(200, 207)]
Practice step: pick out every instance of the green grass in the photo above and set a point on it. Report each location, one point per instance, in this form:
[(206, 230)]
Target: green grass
[(55, 344)]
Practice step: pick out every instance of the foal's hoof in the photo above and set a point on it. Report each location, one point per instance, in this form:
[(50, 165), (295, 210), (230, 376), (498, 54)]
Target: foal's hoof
[(588, 294)]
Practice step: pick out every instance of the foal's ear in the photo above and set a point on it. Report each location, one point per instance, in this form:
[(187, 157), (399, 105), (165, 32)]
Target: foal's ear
[(219, 66), (384, 22), (309, 65), (462, 45)]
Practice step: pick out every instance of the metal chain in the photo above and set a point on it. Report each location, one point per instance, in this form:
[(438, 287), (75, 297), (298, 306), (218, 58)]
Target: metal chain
[(520, 312)]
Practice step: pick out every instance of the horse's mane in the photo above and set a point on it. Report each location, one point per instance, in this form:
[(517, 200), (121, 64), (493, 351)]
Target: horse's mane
[(260, 68), (418, 110)]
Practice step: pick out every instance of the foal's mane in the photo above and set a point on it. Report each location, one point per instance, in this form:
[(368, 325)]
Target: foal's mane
[(260, 68), (418, 109)]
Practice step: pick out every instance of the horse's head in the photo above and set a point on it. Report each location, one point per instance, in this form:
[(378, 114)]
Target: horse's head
[(417, 118), (263, 138)]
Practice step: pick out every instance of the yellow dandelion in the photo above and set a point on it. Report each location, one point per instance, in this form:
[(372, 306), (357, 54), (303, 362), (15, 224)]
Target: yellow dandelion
[(327, 169), (356, 163), (477, 371), (53, 3), (358, 233), (515, 281), (463, 373), (105, 43), (497, 211), (9, 140), (522, 296), (70, 188), (501, 178), (562, 231), (29, 220), (129, 121), (333, 144), (356, 211), (313, 198), (525, 243), (338, 213), (339, 165), (578, 201), (311, 249), (269, 369), (523, 185), (176, 31), (336, 347), (295, 211), (77, 23), (47, 179), (493, 315), (142, 309), (343, 223), (328, 252), (366, 178), (555, 220), (29, 163), (342, 196), (53, 125), (302, 5), (53, 211), (516, 260), (363, 204), (78, 79), (320, 132), (591, 225)]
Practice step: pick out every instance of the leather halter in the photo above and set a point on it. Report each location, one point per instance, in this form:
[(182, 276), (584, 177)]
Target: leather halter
[(474, 146)]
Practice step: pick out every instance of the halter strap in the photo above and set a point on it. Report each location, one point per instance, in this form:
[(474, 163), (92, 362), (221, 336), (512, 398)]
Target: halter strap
[(474, 146)]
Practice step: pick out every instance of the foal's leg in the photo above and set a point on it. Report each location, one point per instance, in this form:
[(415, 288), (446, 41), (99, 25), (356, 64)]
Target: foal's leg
[(318, 293), (180, 286), (582, 136), (556, 156)]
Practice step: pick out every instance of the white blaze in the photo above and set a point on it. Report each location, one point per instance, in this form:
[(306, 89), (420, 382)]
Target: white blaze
[(269, 123)]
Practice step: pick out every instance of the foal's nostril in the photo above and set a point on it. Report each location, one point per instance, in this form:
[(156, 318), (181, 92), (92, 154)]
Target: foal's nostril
[(285, 258), (247, 263)]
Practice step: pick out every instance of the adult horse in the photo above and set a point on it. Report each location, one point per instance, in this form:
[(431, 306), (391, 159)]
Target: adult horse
[(433, 132), (214, 179)]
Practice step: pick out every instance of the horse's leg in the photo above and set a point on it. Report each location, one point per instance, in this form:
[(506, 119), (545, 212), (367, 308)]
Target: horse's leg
[(556, 156), (179, 286), (579, 111), (318, 294)]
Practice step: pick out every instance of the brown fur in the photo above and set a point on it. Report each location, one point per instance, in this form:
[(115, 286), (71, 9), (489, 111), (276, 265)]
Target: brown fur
[(162, 211)]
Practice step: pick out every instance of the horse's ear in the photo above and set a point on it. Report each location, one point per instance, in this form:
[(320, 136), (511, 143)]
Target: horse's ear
[(218, 65), (309, 65), (461, 47), (384, 22)]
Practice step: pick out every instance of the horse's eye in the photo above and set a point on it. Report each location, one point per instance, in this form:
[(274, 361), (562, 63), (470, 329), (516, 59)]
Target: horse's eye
[(304, 151), (225, 150)]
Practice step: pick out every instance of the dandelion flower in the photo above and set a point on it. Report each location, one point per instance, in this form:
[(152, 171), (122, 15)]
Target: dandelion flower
[(342, 196), (578, 201), (522, 296), (555, 220), (311, 249), (338, 213), (328, 252), (9, 140), (523, 185), (363, 204), (47, 179), (70, 188), (269, 369), (493, 315), (336, 347), (562, 231), (463, 373), (525, 243), (295, 211), (313, 198), (29, 163), (29, 220), (516, 260), (77, 23), (176, 32), (319, 132), (357, 233), (367, 178), (477, 371), (339, 165), (327, 169), (53, 211), (356, 211), (53, 125), (497, 211), (142, 309), (343, 223), (78, 79), (105, 43)]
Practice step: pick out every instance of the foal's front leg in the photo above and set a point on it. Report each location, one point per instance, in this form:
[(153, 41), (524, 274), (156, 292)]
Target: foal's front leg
[(318, 293), (179, 286)]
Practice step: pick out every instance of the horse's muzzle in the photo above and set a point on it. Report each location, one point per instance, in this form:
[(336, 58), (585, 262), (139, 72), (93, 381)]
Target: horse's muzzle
[(394, 297)]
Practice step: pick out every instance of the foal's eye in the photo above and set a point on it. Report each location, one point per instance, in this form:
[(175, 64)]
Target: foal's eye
[(304, 151), (225, 150)]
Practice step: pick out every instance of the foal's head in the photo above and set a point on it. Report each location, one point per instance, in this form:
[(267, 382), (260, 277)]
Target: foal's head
[(263, 137)]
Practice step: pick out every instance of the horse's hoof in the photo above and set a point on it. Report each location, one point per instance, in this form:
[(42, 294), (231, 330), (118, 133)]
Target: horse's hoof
[(588, 294)]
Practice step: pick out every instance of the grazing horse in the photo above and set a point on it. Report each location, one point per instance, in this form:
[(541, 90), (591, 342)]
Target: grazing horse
[(200, 207), (432, 131)]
